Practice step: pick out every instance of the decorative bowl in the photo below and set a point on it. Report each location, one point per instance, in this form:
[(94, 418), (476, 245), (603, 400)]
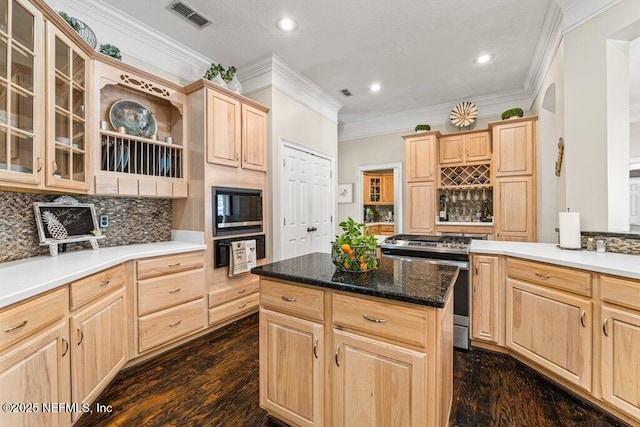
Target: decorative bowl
[(353, 259)]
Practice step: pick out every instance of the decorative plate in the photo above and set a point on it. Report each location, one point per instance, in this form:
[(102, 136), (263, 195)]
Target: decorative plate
[(464, 114), (134, 117)]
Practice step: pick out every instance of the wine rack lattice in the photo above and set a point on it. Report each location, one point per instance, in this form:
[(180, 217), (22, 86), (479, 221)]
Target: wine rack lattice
[(468, 176)]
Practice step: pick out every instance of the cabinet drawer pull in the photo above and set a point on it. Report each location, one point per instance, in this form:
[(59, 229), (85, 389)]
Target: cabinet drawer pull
[(543, 276), (39, 164), (174, 265), (242, 291), (173, 291), (104, 283), (245, 157), (66, 347), (476, 268), (604, 327), (13, 328), (337, 351), (373, 319), (288, 299), (173, 325), (242, 306), (81, 337), (315, 348), (582, 318)]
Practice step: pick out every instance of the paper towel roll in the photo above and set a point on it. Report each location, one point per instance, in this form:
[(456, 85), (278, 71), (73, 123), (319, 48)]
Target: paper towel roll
[(569, 224)]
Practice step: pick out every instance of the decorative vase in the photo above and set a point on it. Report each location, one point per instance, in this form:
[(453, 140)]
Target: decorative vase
[(219, 81), (235, 85)]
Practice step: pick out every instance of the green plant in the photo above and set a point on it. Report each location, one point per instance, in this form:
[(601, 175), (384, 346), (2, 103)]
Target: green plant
[(71, 21), (228, 75), (354, 249), (213, 71), (110, 50), (422, 128), (513, 112)]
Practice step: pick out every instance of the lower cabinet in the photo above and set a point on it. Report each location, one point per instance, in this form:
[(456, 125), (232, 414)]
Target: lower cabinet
[(36, 372), (98, 346), (292, 368), (376, 383), (487, 294), (551, 328)]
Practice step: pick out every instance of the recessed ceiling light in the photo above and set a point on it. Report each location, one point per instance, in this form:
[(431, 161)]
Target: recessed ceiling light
[(483, 59), (286, 24), (375, 87)]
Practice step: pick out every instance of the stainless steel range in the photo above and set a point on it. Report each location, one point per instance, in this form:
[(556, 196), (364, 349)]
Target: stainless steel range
[(450, 250)]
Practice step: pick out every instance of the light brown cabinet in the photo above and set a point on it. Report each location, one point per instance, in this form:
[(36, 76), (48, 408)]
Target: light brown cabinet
[(514, 147), (487, 294), (421, 207), (378, 189), (387, 189), (420, 156), (236, 132), (464, 148), (514, 209)]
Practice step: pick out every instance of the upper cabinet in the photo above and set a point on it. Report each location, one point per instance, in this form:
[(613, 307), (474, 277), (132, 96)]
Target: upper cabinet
[(22, 88), (464, 148), (378, 189), (140, 146), (420, 156), (236, 132), (67, 142), (514, 147)]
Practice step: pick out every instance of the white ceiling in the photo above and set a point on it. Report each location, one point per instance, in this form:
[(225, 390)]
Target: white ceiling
[(421, 52)]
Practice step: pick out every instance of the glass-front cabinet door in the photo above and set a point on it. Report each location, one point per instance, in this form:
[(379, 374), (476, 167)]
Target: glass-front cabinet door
[(21, 90), (67, 103)]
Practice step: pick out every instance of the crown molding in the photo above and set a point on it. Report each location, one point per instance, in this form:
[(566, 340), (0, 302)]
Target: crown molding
[(136, 39), (634, 113), (271, 71), (577, 12)]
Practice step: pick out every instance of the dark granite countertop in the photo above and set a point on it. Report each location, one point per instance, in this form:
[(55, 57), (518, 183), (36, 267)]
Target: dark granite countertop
[(415, 281)]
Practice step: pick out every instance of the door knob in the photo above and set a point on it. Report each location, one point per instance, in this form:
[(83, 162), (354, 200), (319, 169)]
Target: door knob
[(310, 229)]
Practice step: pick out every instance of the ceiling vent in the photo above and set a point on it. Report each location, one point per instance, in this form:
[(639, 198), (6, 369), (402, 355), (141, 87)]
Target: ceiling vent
[(189, 14), (345, 92)]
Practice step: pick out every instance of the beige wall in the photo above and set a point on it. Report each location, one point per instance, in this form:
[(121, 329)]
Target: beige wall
[(634, 140), (379, 149), (549, 106), (298, 123), (595, 171)]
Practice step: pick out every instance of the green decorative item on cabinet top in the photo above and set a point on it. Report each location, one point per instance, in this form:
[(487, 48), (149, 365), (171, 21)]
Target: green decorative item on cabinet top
[(110, 50), (423, 128), (512, 113), (82, 29)]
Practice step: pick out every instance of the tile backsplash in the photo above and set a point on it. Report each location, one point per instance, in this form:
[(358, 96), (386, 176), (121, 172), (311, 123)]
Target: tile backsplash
[(130, 221), (622, 243)]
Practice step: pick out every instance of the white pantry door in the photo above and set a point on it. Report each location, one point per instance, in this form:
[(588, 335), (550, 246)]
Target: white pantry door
[(306, 203), (634, 200)]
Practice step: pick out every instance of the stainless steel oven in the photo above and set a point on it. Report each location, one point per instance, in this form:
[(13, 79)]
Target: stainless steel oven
[(449, 250)]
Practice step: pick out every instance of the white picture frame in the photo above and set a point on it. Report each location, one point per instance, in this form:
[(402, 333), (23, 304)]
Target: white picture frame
[(345, 193)]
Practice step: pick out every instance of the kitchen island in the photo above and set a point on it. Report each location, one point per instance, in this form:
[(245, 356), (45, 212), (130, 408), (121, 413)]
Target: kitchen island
[(341, 349)]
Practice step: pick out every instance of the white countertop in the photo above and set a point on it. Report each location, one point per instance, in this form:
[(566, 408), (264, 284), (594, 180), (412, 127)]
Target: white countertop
[(379, 223), (466, 224), (28, 277), (607, 262)]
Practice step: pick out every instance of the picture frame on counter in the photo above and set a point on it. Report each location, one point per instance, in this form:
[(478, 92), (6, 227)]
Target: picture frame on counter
[(345, 193)]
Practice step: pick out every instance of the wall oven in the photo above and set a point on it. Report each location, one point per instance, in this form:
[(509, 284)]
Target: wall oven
[(236, 211)]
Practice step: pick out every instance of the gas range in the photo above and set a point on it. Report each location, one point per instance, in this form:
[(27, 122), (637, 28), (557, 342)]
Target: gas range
[(454, 245)]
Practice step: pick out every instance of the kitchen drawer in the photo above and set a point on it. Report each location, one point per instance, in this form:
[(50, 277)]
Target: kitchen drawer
[(293, 299), (373, 229), (575, 281), (382, 319), (620, 291), (386, 229), (234, 308), (169, 264), (24, 318), (99, 284), (229, 293), (163, 292), (167, 325)]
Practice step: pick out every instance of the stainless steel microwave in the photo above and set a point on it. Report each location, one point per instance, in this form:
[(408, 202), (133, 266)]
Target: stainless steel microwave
[(236, 211)]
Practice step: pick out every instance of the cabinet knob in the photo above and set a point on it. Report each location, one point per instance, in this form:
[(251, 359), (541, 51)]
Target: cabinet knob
[(336, 358), (315, 348), (81, 337), (55, 167), (39, 163), (66, 348), (604, 327), (582, 318)]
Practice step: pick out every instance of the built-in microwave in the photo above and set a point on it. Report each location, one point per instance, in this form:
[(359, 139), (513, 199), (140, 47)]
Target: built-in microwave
[(236, 211)]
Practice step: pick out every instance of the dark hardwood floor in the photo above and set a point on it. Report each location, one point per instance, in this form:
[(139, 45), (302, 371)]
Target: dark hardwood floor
[(213, 381)]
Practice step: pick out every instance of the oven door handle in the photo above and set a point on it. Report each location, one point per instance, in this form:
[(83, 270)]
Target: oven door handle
[(462, 265)]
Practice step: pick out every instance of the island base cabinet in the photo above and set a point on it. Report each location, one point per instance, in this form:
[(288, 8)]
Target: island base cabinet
[(620, 360), (292, 368), (377, 383), (552, 329), (37, 373)]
